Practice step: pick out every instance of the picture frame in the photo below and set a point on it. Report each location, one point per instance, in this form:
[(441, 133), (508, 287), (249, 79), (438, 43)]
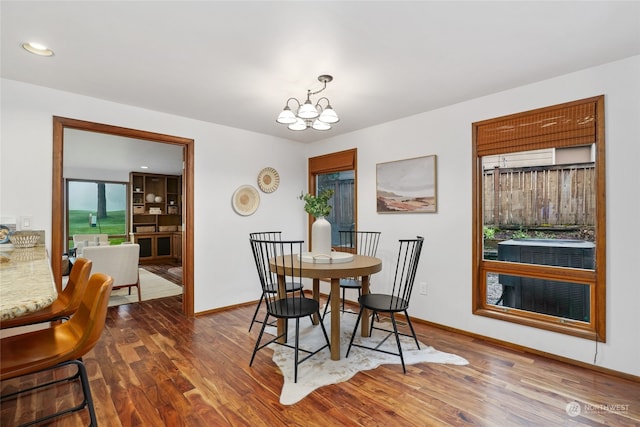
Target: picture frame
[(407, 186)]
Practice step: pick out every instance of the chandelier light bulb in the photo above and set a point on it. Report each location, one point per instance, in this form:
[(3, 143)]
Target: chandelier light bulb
[(308, 111), (329, 116), (298, 125), (308, 115), (320, 125), (286, 117)]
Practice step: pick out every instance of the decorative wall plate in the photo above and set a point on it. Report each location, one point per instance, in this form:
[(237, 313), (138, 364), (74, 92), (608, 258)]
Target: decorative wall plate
[(245, 200), (4, 234), (268, 180)]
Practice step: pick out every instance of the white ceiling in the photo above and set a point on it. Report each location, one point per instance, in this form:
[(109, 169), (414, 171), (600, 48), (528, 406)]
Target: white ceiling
[(91, 151), (235, 63)]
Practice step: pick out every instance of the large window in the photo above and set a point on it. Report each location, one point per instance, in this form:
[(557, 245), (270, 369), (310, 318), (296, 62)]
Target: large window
[(539, 218), (336, 171), (96, 207)]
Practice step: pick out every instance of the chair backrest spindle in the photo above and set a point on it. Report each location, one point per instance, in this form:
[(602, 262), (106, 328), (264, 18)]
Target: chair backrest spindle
[(279, 266), (266, 235), (360, 242), (406, 268)]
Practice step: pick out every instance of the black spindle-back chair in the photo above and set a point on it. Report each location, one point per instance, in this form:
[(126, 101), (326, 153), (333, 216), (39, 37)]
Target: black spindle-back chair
[(280, 267), (269, 235), (361, 243), (395, 302)]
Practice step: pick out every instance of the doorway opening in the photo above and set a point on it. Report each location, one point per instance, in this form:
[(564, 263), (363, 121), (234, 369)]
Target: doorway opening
[(58, 240)]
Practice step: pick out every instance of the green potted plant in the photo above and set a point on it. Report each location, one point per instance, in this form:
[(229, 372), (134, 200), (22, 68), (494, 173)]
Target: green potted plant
[(318, 206)]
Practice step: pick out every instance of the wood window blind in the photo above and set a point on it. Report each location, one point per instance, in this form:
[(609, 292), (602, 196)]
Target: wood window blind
[(563, 125), (334, 162)]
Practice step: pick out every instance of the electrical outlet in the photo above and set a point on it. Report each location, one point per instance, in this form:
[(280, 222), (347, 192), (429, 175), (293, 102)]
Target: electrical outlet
[(423, 288)]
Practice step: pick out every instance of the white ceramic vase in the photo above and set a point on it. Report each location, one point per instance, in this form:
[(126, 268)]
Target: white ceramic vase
[(321, 237)]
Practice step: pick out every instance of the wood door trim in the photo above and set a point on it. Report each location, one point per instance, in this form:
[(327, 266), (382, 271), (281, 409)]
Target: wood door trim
[(57, 199)]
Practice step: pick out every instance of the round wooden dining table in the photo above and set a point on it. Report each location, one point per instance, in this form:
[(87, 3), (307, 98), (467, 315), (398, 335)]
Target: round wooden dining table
[(360, 266)]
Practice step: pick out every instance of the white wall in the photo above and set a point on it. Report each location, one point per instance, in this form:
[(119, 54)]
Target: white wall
[(446, 260), (96, 174), (225, 158)]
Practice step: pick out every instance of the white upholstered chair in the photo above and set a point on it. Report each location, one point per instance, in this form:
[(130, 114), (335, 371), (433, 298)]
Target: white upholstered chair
[(117, 261), (80, 241)]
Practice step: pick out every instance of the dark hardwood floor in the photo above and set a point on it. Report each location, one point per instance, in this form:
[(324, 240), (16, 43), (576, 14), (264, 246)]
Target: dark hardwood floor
[(154, 367)]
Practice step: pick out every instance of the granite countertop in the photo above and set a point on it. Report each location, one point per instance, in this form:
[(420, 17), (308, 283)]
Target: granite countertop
[(26, 281)]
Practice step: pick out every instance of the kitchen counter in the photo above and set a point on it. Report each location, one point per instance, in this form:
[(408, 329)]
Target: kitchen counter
[(26, 281)]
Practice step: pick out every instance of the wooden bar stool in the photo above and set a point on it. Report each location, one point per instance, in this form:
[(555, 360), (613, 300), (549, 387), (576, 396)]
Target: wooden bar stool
[(61, 345)]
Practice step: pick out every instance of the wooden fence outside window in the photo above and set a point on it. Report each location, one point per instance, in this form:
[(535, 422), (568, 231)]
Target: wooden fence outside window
[(556, 195)]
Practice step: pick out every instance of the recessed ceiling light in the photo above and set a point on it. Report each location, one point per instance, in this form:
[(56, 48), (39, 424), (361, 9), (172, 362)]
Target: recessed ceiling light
[(37, 49), (144, 167)]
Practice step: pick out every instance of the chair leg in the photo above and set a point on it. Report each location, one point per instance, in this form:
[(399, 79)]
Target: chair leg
[(395, 330), (87, 400), (297, 350), (286, 330), (354, 332), (324, 331), (344, 295), (139, 293), (84, 379), (255, 314), (411, 327), (295, 367), (374, 316), (257, 347), (326, 306)]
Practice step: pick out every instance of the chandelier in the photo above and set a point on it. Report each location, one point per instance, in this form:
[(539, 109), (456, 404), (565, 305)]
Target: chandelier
[(308, 115)]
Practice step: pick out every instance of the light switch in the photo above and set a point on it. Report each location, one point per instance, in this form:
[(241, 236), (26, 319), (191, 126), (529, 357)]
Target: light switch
[(26, 223)]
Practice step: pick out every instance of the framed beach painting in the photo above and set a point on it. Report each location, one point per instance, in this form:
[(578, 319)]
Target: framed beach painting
[(407, 186)]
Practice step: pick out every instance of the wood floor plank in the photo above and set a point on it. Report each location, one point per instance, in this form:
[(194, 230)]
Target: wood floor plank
[(153, 367)]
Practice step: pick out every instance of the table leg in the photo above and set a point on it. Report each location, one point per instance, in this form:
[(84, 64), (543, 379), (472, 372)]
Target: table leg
[(364, 320), (335, 319), (316, 296)]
